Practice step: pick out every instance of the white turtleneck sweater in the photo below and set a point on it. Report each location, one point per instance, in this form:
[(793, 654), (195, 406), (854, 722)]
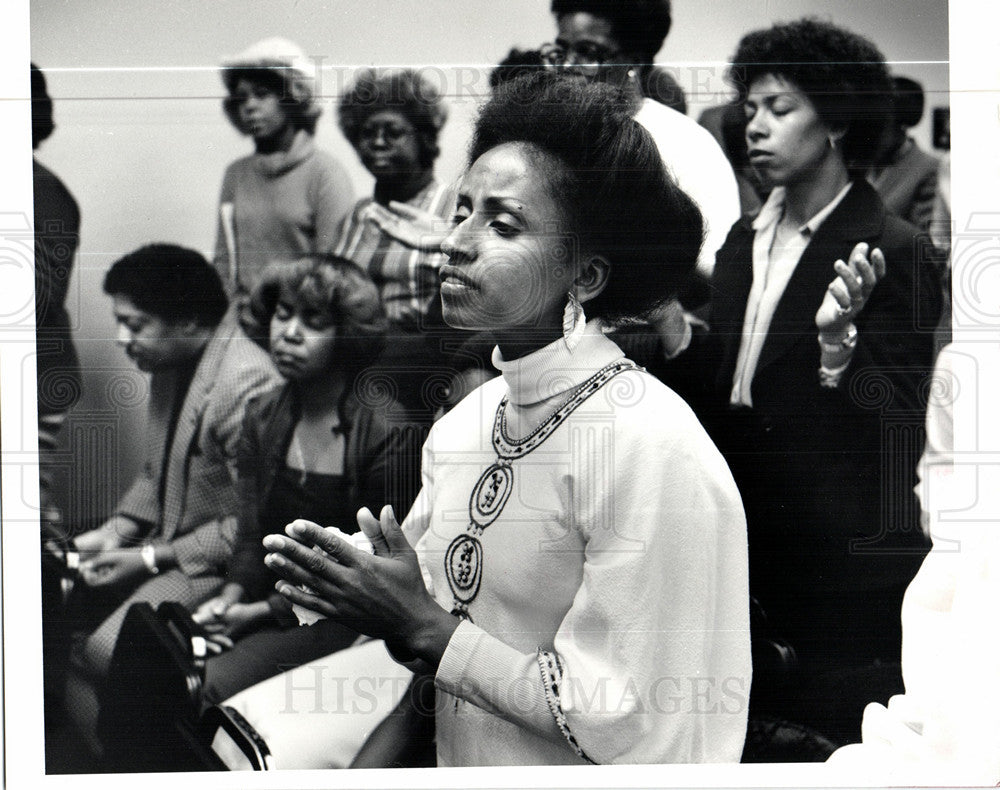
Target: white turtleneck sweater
[(620, 552)]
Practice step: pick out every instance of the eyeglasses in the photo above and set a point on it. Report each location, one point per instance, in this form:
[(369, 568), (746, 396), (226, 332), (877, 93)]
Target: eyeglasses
[(586, 53), (390, 132)]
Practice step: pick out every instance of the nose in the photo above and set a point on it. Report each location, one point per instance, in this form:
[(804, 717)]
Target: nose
[(124, 336), (756, 128), (459, 245), (293, 330), (378, 138)]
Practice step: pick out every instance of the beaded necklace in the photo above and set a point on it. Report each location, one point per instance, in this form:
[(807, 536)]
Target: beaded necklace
[(463, 560)]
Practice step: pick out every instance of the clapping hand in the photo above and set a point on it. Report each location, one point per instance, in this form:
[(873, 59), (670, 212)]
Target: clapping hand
[(382, 595), (849, 291)]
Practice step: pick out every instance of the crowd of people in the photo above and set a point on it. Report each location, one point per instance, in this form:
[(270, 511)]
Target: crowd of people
[(614, 431)]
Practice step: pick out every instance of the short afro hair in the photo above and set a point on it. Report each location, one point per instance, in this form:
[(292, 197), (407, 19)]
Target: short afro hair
[(335, 287), (604, 168), (640, 26), (843, 74), (171, 282), (404, 90), (907, 101)]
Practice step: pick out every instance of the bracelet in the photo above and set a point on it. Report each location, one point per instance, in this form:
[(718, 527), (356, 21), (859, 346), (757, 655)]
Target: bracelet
[(846, 343), (148, 554)]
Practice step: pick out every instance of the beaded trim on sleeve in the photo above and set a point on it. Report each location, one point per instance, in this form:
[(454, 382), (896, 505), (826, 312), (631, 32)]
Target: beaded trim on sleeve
[(552, 675)]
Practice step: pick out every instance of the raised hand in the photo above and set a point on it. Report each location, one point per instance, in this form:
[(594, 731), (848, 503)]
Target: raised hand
[(412, 227), (848, 292)]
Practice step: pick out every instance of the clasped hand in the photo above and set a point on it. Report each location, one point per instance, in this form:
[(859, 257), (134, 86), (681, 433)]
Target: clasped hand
[(849, 291), (381, 595), (112, 567)]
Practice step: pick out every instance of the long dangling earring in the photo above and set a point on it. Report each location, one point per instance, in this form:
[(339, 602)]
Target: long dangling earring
[(574, 321)]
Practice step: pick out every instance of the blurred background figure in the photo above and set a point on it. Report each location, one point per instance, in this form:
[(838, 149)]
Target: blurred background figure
[(287, 198), (57, 235), (904, 174), (311, 447), (393, 118), (616, 42), (170, 535)]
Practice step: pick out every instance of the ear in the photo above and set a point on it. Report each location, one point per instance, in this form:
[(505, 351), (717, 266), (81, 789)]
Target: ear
[(836, 133), (595, 271)]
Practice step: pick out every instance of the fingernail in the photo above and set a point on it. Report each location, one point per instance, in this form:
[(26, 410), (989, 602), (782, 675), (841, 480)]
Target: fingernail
[(296, 528), (274, 542), (274, 559)]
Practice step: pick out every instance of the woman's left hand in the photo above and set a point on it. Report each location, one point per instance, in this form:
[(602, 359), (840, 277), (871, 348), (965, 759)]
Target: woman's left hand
[(849, 291), (382, 595)]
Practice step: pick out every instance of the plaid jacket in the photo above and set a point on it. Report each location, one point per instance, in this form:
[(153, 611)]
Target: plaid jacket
[(197, 511)]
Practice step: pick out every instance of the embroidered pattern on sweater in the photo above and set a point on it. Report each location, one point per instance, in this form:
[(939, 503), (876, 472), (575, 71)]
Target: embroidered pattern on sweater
[(551, 668), (463, 561)]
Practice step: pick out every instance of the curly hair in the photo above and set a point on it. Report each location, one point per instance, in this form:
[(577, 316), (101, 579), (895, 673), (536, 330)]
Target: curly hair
[(172, 282), (640, 26), (403, 90), (300, 108), (335, 287), (843, 74), (605, 170)]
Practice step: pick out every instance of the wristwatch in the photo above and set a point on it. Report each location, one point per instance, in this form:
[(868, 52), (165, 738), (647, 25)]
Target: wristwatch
[(148, 554), (846, 343)]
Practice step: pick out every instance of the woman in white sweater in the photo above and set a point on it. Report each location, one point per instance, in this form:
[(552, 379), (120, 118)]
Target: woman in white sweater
[(573, 574)]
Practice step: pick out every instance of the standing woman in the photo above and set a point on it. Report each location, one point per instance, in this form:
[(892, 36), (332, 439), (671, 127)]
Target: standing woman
[(821, 311), (287, 198), (393, 118), (580, 538)]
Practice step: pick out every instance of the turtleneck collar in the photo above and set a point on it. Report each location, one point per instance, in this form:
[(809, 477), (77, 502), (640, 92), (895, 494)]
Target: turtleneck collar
[(280, 162), (553, 369)]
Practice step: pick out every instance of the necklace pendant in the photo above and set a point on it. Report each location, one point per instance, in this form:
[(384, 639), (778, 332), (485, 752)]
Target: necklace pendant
[(491, 494)]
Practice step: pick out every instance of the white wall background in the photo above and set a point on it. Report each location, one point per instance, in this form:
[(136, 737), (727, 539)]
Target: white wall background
[(142, 142)]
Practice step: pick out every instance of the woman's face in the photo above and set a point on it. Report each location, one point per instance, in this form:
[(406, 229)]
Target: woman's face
[(591, 49), (260, 110), (511, 261), (787, 140), (388, 145), (302, 340)]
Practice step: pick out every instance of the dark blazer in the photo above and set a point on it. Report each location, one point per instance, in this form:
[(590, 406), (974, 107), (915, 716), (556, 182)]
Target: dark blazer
[(827, 475), (382, 466)]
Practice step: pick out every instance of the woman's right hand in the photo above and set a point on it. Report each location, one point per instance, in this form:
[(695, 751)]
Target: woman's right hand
[(111, 535), (410, 226)]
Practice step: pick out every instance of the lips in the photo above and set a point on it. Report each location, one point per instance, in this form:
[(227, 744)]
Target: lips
[(450, 275), (759, 155)]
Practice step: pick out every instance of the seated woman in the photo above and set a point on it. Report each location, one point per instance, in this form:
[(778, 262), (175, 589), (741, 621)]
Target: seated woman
[(316, 444), (821, 317), (393, 118), (287, 198), (573, 574)]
